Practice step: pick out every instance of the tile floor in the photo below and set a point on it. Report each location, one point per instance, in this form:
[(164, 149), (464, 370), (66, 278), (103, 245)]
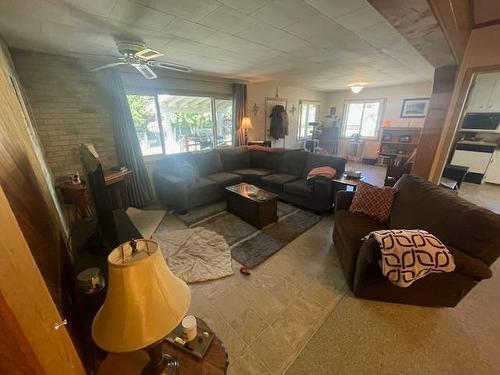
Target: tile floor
[(265, 319)]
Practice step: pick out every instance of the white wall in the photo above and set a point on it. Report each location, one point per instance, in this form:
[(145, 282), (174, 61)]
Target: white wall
[(393, 96), (257, 93)]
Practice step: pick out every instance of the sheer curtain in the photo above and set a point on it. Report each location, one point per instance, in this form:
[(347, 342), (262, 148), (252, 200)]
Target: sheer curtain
[(127, 145), (239, 109)]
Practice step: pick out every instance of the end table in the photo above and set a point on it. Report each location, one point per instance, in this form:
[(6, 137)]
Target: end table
[(214, 362)]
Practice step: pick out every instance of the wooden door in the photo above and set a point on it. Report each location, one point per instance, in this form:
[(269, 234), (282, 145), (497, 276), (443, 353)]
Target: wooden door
[(30, 319)]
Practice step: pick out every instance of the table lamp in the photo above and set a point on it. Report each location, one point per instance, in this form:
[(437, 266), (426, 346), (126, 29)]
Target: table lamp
[(144, 303), (245, 125)]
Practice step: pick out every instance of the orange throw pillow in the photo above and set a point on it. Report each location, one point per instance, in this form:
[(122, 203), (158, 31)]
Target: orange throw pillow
[(373, 201)]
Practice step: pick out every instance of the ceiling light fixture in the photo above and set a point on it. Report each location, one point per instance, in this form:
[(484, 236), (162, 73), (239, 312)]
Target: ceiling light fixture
[(357, 87)]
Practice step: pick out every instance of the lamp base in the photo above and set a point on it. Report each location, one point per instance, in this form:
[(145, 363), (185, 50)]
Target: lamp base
[(160, 363)]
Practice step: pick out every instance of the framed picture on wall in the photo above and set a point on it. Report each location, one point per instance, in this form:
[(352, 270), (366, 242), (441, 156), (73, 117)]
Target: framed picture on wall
[(415, 107)]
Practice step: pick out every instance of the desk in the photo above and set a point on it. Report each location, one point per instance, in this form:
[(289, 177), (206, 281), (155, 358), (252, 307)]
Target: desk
[(76, 195), (117, 183)]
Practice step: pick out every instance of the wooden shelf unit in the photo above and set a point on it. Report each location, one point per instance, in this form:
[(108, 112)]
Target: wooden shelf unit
[(393, 150)]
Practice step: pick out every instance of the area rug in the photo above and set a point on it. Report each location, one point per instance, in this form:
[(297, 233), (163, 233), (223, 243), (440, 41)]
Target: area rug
[(199, 214), (195, 254), (250, 246), (255, 250)]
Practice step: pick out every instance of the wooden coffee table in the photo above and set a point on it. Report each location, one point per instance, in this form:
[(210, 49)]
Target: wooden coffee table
[(259, 210)]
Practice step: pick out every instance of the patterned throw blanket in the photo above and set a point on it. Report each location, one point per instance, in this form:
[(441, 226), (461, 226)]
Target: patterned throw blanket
[(408, 255)]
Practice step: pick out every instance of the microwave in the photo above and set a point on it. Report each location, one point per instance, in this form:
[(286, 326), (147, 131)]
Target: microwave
[(481, 122)]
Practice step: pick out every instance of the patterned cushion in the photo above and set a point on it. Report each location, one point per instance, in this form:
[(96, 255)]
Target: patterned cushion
[(373, 201)]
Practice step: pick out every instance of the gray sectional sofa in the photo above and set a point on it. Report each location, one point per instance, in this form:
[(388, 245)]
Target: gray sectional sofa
[(186, 180)]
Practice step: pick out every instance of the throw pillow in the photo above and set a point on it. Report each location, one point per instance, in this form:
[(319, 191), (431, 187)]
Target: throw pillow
[(373, 201), (186, 171), (325, 173)]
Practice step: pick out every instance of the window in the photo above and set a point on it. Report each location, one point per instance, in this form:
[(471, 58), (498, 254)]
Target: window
[(168, 124), (308, 113), (143, 109), (362, 117)]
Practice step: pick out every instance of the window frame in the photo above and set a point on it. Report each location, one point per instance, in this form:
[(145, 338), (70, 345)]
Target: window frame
[(306, 102), (155, 93), (345, 112)]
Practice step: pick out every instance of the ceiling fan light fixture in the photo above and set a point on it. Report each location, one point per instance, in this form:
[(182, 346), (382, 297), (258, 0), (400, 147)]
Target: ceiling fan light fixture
[(357, 87), (137, 55)]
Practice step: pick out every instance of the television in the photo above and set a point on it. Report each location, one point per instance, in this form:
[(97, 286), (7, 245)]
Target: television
[(114, 227)]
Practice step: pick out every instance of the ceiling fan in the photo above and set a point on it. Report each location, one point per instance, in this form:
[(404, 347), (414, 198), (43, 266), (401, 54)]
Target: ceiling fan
[(141, 57)]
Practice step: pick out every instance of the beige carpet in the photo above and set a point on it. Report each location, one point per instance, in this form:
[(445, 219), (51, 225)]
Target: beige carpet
[(366, 337)]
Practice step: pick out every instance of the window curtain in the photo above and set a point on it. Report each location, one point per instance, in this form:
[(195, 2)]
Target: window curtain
[(127, 145), (239, 110)]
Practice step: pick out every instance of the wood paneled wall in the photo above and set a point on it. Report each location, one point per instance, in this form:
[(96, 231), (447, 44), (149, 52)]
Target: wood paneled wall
[(25, 179)]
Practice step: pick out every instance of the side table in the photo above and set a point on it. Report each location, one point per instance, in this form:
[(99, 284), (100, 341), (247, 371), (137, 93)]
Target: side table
[(346, 183), (214, 362)]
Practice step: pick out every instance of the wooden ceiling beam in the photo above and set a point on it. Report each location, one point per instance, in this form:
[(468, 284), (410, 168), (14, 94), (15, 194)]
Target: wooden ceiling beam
[(456, 18), (417, 22)]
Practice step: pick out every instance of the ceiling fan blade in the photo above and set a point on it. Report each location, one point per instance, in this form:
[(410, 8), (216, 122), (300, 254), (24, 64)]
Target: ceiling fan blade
[(164, 65), (107, 66), (147, 54), (145, 71)]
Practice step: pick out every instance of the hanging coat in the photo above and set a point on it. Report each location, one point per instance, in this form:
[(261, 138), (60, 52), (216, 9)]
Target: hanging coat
[(279, 122)]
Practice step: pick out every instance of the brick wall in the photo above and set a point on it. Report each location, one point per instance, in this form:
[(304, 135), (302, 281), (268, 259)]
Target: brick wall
[(68, 107)]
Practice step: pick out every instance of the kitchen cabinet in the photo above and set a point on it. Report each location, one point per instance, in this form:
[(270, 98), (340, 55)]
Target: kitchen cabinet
[(485, 96), (476, 161), (493, 171)]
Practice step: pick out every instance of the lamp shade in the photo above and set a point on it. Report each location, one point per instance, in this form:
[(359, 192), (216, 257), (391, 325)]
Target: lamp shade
[(145, 300), (246, 123)]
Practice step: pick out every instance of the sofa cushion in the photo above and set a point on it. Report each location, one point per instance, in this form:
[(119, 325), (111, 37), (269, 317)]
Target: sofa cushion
[(169, 163), (318, 160), (349, 230), (292, 162), (265, 158), (252, 174), (203, 190), (420, 204), (373, 201), (207, 162), (353, 227), (235, 158), (468, 265), (277, 180), (186, 170), (225, 178), (299, 187)]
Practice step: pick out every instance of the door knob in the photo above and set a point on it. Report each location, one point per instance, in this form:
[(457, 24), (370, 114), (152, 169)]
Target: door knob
[(60, 324)]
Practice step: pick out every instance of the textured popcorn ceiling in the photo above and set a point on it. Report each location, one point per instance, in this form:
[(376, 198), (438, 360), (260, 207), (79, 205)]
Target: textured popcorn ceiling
[(321, 44)]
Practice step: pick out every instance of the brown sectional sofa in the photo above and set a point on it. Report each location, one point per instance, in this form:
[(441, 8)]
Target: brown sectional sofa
[(471, 233), (282, 171)]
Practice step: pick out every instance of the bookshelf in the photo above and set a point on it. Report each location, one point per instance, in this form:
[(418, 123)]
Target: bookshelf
[(397, 144)]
